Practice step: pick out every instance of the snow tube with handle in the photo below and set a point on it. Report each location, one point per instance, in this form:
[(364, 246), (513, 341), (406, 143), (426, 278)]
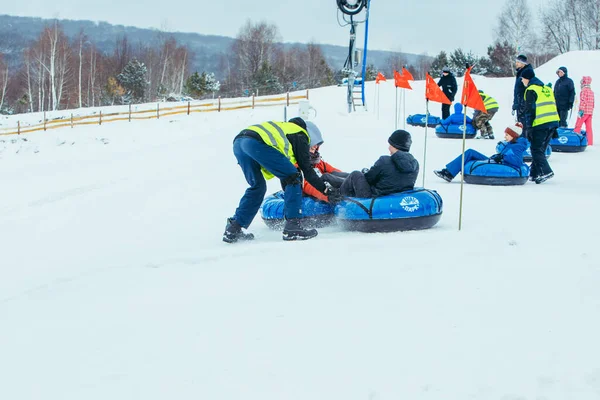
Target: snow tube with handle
[(490, 173), (411, 210), (527, 155), (454, 131), (316, 213), (569, 141), (419, 120)]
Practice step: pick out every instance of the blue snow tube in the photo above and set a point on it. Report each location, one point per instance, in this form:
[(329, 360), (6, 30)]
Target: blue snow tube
[(569, 141), (316, 213), (411, 210), (527, 154), (419, 120), (454, 131), (489, 173)]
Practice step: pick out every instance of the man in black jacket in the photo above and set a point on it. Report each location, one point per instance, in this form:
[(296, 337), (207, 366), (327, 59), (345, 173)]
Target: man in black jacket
[(390, 174), (448, 84), (518, 106), (564, 93)]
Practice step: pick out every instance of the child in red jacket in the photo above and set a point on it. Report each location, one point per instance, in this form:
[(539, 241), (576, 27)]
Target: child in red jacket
[(320, 166), (586, 109)]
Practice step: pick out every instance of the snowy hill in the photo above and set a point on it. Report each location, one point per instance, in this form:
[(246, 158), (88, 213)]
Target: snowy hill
[(116, 284)]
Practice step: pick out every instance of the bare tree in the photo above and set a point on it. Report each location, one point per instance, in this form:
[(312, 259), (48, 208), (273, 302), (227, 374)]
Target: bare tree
[(3, 80), (591, 20), (514, 25), (557, 28)]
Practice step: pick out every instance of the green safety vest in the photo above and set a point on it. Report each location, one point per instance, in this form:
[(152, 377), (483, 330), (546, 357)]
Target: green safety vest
[(545, 105), (489, 102), (274, 135)]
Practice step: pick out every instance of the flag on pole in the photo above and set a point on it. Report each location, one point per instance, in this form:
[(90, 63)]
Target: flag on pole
[(400, 81), (470, 94), (380, 77), (433, 91), (407, 75)]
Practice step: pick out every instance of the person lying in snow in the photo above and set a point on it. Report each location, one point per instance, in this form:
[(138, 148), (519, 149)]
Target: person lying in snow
[(390, 174), (511, 154), (321, 167)]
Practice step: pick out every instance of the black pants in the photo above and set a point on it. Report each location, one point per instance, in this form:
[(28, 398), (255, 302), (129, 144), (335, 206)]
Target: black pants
[(563, 113), (355, 185), (445, 111), (540, 138)]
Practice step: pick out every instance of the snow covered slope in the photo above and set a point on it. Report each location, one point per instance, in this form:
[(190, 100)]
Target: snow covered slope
[(115, 282)]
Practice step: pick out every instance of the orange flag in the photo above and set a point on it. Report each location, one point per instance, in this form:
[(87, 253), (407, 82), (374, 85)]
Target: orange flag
[(470, 94), (433, 91), (400, 81), (380, 77), (407, 74)]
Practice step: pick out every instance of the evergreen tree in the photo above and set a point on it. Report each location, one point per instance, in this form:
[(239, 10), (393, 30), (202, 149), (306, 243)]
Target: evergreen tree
[(500, 60), (459, 60), (133, 80), (195, 85), (440, 61), (371, 73), (265, 82)]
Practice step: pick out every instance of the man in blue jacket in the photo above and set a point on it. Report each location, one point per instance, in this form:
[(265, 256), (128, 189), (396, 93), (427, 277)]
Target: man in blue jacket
[(518, 106), (564, 94), (511, 154)]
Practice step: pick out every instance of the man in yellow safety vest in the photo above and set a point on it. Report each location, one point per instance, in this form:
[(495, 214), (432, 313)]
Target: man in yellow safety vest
[(541, 121)]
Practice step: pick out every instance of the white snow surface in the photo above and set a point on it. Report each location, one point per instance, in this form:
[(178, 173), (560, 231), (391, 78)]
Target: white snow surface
[(115, 283)]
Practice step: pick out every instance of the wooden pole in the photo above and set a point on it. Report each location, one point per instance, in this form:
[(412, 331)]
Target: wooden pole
[(252, 100), (219, 108), (18, 127), (71, 120), (157, 110), (306, 94), (288, 99), (462, 170), (44, 121), (100, 119), (188, 108), (130, 112)]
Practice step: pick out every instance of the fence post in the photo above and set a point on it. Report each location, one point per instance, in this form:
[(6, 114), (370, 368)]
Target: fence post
[(188, 108), (157, 111), (44, 121), (18, 127), (71, 120), (129, 112), (219, 108), (288, 99), (306, 94), (100, 120), (253, 101)]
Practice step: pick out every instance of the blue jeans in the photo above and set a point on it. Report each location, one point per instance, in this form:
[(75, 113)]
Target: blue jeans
[(251, 154), (454, 166)]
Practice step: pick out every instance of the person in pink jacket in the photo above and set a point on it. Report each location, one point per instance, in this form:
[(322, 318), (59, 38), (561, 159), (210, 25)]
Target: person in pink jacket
[(586, 109)]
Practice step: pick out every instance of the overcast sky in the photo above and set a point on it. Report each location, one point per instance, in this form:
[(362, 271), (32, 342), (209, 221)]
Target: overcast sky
[(413, 26)]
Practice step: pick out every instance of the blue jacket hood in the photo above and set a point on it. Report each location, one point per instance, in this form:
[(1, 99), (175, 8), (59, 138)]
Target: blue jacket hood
[(458, 108)]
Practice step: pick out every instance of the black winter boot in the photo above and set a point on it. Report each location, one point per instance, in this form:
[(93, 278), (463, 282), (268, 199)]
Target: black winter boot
[(444, 174), (293, 231), (233, 232)]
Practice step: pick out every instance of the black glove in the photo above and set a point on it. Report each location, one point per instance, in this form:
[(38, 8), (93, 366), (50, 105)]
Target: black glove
[(501, 143), (570, 106), (555, 133), (497, 158), (333, 195)]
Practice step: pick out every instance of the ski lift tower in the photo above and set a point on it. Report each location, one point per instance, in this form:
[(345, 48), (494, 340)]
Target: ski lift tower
[(350, 9)]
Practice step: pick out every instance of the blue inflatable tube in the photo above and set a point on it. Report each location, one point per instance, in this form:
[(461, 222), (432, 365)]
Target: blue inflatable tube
[(569, 141), (411, 210), (490, 173), (419, 120), (316, 213), (454, 131), (527, 154)]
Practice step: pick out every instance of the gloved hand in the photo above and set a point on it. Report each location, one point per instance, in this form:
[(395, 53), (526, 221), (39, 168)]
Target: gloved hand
[(500, 143), (333, 195), (497, 158), (570, 106), (555, 133), (580, 113)]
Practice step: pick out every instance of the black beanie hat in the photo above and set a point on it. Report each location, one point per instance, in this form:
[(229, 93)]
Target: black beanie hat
[(298, 121), (401, 140), (528, 74), (522, 58)]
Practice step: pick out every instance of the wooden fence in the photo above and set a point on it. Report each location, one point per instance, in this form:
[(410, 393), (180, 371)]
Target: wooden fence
[(217, 105)]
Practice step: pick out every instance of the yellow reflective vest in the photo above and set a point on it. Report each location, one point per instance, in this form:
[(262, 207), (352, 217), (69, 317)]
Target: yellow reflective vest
[(545, 105), (274, 135), (489, 102)]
